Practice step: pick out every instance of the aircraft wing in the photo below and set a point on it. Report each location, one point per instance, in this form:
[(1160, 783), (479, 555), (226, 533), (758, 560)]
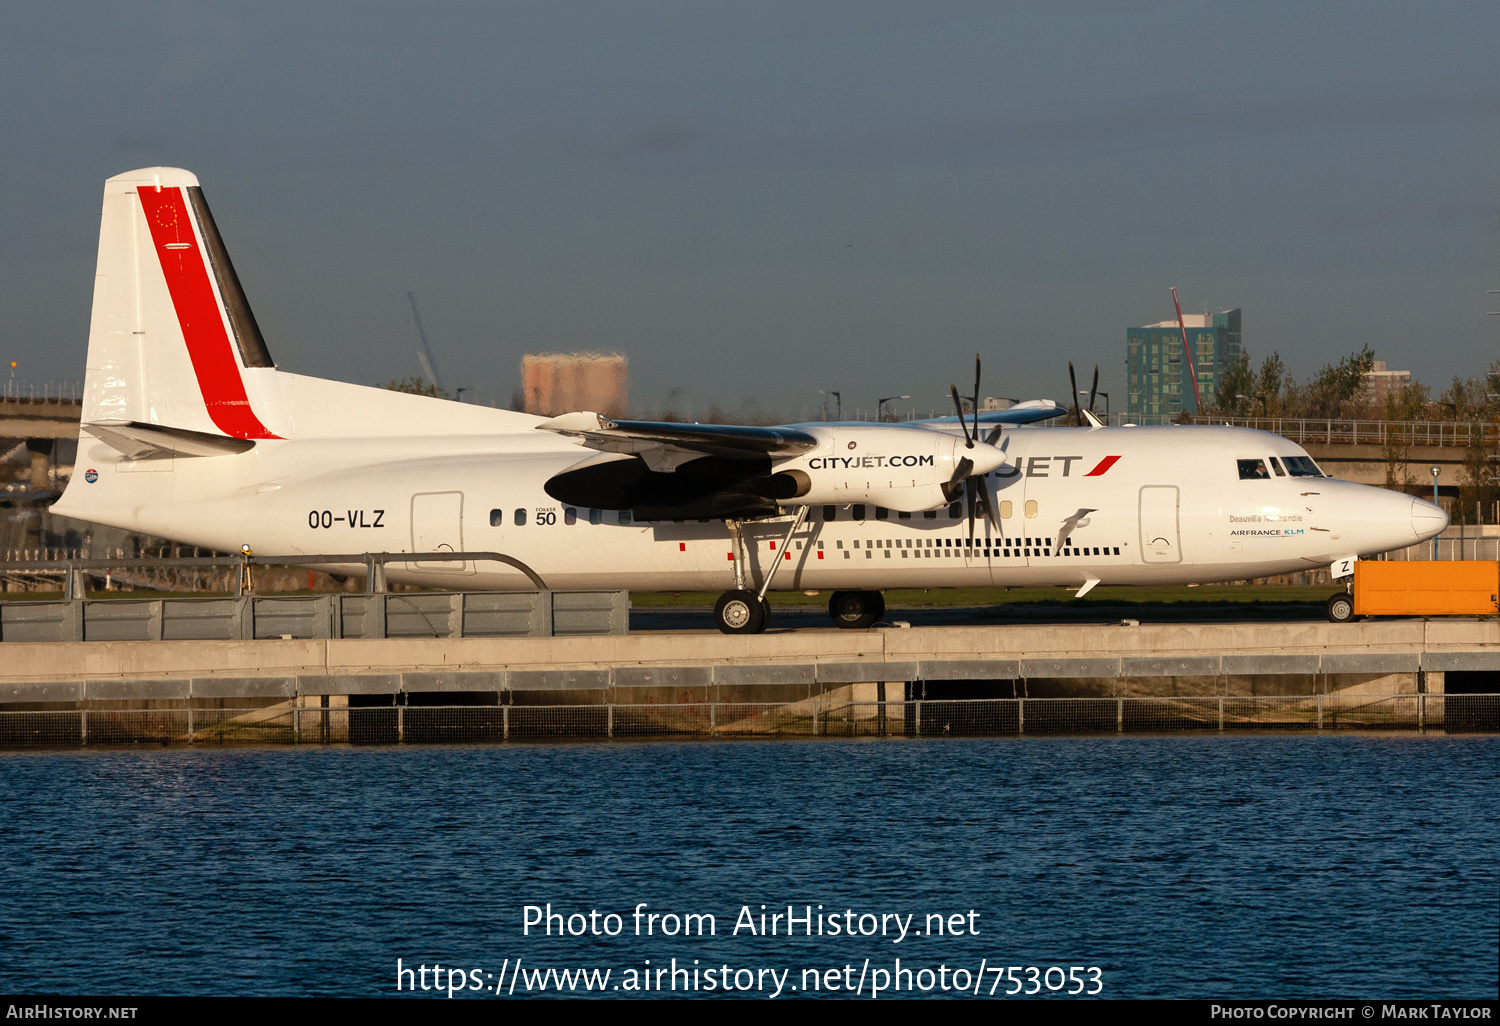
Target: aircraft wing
[(665, 445), (1028, 412)]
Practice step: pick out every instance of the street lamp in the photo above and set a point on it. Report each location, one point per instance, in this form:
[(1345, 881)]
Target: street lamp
[(1436, 470), (836, 398), (882, 402)]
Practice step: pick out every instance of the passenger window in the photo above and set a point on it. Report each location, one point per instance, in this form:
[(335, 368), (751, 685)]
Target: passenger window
[(929, 514), (624, 516), (830, 513), (520, 518), (881, 513), (1253, 470), (905, 515), (1030, 509), (1276, 466), (497, 517), (596, 516), (570, 515), (955, 511), (1006, 509), (857, 511)]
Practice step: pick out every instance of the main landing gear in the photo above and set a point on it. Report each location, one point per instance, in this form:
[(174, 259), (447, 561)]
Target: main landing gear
[(856, 610), (742, 612)]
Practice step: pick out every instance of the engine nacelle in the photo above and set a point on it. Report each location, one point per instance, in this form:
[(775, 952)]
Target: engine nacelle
[(900, 468)]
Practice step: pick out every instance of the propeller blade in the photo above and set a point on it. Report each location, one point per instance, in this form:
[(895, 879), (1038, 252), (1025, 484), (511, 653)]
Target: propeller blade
[(954, 486), (976, 395), (1073, 383), (994, 435), (975, 489), (959, 406), (1094, 388)]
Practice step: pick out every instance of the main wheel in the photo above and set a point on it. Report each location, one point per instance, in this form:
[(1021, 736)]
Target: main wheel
[(1340, 608), (741, 612), (855, 610)]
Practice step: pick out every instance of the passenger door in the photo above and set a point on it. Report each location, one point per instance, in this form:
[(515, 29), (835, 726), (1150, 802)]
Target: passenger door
[(437, 520), (1160, 538)]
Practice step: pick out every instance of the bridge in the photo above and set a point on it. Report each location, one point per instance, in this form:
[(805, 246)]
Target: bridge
[(40, 413), (1364, 451)]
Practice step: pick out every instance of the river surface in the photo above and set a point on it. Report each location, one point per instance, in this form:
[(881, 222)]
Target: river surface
[(1358, 866)]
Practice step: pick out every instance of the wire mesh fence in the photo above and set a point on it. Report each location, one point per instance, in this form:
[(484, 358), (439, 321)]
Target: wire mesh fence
[(403, 724)]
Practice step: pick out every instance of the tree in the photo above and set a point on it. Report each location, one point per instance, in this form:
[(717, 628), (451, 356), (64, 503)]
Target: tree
[(1402, 405), (1338, 390), (417, 386)]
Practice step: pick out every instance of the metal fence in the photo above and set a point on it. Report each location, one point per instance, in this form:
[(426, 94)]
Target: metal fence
[(1367, 432), (385, 615), (28, 391), (404, 724)]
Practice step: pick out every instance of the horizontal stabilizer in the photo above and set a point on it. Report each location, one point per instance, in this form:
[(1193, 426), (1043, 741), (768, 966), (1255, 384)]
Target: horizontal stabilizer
[(138, 441)]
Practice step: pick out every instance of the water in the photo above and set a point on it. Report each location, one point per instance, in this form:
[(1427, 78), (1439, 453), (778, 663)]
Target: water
[(1205, 866)]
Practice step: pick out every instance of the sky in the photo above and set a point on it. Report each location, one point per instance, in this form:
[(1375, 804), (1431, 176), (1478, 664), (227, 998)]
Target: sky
[(755, 202)]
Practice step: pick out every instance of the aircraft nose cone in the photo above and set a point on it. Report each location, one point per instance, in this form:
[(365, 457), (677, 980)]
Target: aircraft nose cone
[(1427, 520)]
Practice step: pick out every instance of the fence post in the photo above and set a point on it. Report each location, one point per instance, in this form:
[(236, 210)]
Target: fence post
[(1020, 716), (1119, 716), (919, 718), (1421, 714), (190, 725), (815, 717), (83, 726), (1221, 712), (1320, 712), (296, 721), (505, 723), (609, 720), (400, 723), (713, 726)]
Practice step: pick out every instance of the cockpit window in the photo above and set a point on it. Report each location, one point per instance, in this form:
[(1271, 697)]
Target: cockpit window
[(1302, 466), (1276, 466), (1253, 470)]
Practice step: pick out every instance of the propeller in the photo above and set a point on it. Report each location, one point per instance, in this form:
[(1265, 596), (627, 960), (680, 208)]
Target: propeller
[(1093, 393), (1073, 391), (963, 482)]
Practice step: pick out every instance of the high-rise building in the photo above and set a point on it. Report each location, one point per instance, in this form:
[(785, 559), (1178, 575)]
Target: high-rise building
[(1157, 373), (1380, 383)]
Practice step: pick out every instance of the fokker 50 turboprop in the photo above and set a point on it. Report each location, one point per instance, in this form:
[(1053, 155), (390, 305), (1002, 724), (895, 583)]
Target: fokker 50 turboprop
[(190, 432)]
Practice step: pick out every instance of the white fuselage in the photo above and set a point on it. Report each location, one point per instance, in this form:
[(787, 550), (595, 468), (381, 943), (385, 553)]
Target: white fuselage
[(1170, 507)]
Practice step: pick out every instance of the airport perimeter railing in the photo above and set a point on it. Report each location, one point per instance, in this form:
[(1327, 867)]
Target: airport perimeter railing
[(415, 724), (26, 390), (1445, 433), (474, 614)]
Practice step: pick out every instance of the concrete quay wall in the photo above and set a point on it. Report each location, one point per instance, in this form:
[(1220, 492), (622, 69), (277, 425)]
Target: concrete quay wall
[(1082, 659)]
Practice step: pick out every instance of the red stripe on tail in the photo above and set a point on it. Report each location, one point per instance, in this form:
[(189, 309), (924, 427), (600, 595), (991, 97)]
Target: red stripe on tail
[(1104, 465), (186, 270)]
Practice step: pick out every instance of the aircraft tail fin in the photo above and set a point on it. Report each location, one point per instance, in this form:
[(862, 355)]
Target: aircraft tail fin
[(172, 341)]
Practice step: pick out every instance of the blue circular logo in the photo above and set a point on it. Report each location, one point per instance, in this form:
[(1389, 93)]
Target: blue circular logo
[(91, 475)]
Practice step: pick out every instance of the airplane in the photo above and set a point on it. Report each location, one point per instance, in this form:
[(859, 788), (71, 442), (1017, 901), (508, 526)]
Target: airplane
[(190, 432)]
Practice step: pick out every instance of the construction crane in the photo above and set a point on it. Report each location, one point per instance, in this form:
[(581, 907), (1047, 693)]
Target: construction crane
[(424, 354)]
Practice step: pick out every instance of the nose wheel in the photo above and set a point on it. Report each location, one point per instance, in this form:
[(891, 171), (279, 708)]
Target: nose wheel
[(742, 612), (856, 610), (1341, 608)]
